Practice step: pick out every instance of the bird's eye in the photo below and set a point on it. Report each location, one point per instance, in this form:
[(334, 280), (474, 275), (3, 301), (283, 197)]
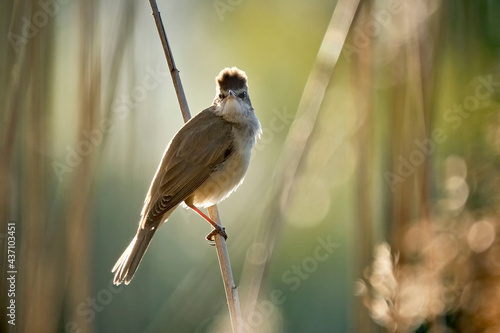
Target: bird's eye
[(221, 96), (242, 95)]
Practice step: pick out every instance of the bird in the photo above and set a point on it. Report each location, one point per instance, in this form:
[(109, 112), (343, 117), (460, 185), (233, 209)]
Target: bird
[(203, 164)]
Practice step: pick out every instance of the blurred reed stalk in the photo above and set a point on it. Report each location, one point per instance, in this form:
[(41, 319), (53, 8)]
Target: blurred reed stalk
[(25, 196), (220, 243), (362, 84), (410, 122), (53, 241), (78, 259), (427, 282), (409, 114), (296, 147)]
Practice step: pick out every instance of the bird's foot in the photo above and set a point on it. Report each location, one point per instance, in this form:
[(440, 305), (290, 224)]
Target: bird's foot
[(217, 230)]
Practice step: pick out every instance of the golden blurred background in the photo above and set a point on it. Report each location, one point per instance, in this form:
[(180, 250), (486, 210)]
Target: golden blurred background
[(371, 203)]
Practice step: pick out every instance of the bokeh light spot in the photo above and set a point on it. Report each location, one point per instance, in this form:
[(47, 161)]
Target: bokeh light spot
[(310, 203), (481, 236)]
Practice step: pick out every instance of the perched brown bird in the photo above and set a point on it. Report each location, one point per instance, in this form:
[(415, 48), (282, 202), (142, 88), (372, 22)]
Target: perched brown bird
[(202, 165)]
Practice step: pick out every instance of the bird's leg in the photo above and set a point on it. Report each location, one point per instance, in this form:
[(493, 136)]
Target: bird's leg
[(217, 228)]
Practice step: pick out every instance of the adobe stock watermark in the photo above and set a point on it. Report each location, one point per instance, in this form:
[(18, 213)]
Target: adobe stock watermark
[(120, 110), (453, 116), (378, 21), (11, 272), (223, 6), (92, 305), (293, 279), (30, 27)]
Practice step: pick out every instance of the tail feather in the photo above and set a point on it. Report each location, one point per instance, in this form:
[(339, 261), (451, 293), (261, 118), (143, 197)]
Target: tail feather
[(126, 266)]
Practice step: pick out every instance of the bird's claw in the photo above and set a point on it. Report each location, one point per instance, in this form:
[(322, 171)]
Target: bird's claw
[(219, 230)]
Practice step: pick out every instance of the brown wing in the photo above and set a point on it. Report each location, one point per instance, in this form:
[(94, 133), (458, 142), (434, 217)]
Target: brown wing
[(195, 151)]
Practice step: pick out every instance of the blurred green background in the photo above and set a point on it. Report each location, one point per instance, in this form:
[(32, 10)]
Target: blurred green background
[(376, 212)]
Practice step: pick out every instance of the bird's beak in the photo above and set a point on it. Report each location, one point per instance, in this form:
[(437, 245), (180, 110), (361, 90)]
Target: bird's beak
[(232, 94)]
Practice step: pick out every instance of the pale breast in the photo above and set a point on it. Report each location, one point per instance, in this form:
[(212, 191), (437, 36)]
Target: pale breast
[(223, 181), (229, 175)]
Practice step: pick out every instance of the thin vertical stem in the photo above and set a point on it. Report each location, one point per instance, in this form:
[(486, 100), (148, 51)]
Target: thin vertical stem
[(233, 301), (174, 72), (220, 243)]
